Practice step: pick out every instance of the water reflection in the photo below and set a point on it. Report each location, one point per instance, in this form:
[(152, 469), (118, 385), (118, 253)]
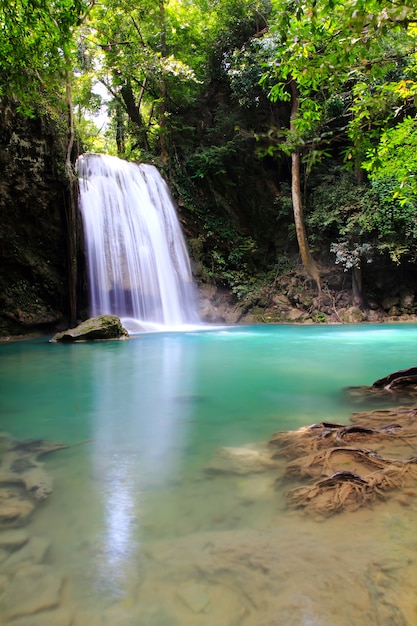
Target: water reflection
[(139, 433)]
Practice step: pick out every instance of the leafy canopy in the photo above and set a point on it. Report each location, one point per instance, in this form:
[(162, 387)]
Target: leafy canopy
[(35, 37), (344, 50)]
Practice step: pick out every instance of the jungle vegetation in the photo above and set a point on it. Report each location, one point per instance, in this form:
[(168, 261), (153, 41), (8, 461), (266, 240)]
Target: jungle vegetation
[(310, 103)]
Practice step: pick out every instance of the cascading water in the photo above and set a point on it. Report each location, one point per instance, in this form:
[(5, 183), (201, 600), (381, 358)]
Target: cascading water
[(138, 263)]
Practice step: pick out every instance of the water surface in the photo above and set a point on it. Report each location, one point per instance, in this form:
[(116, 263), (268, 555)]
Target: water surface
[(145, 536)]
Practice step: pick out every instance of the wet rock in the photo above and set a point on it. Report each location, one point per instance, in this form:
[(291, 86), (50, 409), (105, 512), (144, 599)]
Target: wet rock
[(100, 327), (31, 590), (244, 460)]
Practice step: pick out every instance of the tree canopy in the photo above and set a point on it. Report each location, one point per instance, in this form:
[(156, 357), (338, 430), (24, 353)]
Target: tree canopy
[(196, 80)]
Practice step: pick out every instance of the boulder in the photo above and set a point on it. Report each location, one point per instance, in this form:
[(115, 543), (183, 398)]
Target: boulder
[(353, 315), (100, 327)]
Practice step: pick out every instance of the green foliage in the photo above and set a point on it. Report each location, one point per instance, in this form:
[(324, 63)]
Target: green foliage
[(394, 161), (358, 218), (325, 48), (212, 160), (36, 39)]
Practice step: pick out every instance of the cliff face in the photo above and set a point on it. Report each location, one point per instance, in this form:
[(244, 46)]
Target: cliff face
[(33, 196)]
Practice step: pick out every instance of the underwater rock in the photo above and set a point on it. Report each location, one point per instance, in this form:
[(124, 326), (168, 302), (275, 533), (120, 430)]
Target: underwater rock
[(13, 539), (14, 508), (19, 465), (57, 617), (245, 460), (32, 553), (38, 483), (36, 447), (95, 328), (31, 590)]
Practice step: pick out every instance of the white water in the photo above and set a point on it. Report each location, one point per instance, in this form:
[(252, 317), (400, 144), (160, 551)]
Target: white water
[(138, 264)]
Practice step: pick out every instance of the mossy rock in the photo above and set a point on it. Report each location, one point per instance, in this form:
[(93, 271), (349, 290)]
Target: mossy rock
[(95, 328)]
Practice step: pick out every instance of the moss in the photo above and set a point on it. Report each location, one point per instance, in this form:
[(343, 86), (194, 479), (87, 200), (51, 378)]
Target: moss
[(95, 328)]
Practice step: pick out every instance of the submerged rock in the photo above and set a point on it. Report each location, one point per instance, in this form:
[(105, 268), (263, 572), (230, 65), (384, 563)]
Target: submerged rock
[(19, 466), (13, 539), (33, 552), (57, 617), (32, 589), (15, 509), (249, 459), (95, 328)]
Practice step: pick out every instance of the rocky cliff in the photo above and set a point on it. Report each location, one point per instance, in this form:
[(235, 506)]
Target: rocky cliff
[(33, 250)]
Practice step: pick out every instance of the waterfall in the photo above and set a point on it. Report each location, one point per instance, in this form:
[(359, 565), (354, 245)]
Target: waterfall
[(138, 264)]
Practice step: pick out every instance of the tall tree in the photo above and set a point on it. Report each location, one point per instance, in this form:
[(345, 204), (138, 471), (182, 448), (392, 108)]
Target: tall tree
[(326, 50)]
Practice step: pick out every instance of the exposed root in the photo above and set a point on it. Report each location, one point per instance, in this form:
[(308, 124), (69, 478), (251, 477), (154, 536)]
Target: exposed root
[(349, 477), (340, 491), (403, 416), (324, 463), (306, 440)]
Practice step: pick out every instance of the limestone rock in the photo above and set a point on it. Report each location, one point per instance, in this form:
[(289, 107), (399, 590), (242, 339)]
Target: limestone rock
[(38, 483), (14, 508), (244, 460), (100, 327), (32, 589), (295, 315), (353, 315)]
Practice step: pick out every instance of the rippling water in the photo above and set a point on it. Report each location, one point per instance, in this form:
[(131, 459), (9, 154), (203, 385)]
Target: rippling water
[(145, 536)]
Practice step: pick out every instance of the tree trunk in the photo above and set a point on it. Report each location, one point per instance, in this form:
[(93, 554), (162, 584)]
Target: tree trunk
[(134, 114), (357, 287), (306, 258), (120, 132)]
